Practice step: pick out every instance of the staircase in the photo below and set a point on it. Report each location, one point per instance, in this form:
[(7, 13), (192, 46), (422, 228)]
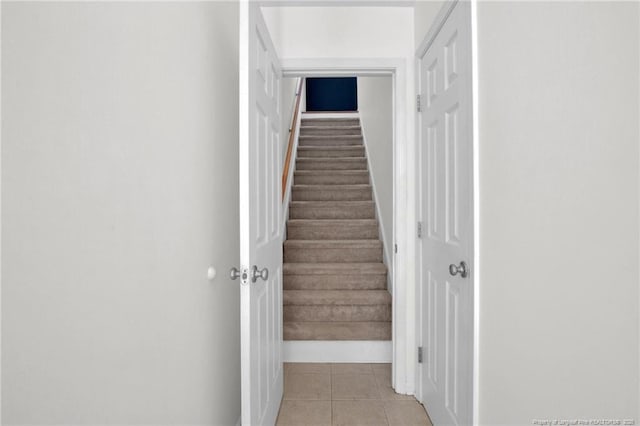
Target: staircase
[(334, 277)]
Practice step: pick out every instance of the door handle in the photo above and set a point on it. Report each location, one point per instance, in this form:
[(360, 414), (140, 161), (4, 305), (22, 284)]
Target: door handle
[(235, 273), (257, 273), (459, 269)]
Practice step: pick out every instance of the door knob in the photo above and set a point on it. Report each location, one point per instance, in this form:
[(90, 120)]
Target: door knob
[(459, 269), (257, 273), (235, 273)]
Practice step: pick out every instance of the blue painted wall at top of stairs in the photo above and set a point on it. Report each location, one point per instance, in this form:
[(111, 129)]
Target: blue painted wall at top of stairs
[(332, 94)]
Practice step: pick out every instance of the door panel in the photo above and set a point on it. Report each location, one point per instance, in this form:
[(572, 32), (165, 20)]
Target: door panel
[(260, 210), (446, 164)]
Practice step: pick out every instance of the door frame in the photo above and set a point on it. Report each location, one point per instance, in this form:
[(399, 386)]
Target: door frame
[(421, 50), (404, 202)]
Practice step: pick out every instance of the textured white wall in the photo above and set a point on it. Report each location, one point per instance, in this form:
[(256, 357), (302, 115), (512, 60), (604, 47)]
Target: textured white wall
[(558, 105), (425, 11), (375, 103), (338, 32), (119, 189)]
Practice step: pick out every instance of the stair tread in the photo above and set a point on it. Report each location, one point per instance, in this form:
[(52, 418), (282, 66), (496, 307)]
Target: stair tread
[(329, 137), (332, 187), (336, 313), (331, 210), (343, 330), (316, 204), (377, 268), (343, 116), (317, 244), (349, 126), (345, 172), (330, 148), (331, 159), (331, 222), (336, 297)]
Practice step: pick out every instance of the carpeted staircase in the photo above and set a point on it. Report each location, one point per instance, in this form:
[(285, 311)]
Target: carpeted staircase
[(334, 276)]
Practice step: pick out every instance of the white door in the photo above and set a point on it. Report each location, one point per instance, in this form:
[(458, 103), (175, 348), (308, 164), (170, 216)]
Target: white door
[(445, 302), (260, 233)]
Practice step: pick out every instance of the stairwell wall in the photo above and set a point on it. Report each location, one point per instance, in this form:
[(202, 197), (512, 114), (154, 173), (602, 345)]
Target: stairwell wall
[(119, 189), (375, 104)]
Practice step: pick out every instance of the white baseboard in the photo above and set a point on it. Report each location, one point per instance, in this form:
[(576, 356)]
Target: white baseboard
[(356, 351)]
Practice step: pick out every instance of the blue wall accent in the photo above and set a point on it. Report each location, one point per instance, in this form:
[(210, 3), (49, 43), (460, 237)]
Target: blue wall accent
[(332, 94)]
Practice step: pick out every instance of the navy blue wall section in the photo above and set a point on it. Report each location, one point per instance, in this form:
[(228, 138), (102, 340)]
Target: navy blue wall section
[(332, 94)]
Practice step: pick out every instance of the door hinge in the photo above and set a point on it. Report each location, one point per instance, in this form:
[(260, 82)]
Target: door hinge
[(395, 248), (419, 230), (418, 103), (419, 354)]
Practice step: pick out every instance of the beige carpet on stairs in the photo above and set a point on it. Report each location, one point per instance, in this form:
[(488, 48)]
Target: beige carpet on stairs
[(334, 276)]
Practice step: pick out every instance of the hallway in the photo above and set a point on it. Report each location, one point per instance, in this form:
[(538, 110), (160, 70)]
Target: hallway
[(345, 394)]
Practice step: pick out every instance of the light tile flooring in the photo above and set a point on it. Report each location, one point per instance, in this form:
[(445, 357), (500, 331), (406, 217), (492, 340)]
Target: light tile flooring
[(345, 394)]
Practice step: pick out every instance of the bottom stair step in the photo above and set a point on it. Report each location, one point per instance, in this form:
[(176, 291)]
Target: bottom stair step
[(374, 330)]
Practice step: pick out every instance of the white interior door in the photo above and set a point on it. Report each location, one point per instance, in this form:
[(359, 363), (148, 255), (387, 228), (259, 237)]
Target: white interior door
[(445, 303), (260, 233)]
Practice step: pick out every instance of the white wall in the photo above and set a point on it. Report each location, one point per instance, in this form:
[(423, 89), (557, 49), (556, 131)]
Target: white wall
[(375, 104), (338, 32), (425, 11), (119, 189), (558, 105)]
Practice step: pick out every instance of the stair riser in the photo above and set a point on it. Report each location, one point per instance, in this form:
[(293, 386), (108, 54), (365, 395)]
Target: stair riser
[(332, 213), (337, 331), (358, 194), (329, 123), (332, 232), (329, 131), (335, 282), (325, 142), (332, 255), (331, 179), (356, 151), (338, 313), (356, 164)]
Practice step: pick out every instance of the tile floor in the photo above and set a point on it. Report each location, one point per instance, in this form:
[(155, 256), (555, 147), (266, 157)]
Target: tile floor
[(345, 394)]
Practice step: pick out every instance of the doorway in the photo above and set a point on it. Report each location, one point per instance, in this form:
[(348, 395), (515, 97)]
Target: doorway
[(405, 195), (403, 320)]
